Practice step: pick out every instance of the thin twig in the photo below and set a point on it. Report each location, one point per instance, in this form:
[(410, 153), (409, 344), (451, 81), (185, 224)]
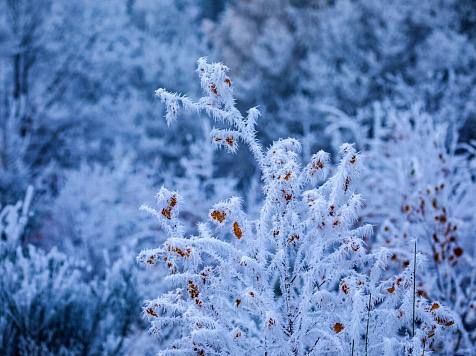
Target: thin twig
[(313, 346), (414, 288), (353, 347), (367, 327)]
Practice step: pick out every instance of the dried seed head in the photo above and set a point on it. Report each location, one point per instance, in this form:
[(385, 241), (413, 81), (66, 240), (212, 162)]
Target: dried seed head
[(345, 288), (444, 322), (229, 140), (173, 201), (237, 230), (218, 216), (406, 209), (338, 327), (150, 311), (422, 293), (151, 260), (213, 89), (193, 290), (318, 165), (167, 212), (458, 251), (293, 238), (180, 251), (287, 196)]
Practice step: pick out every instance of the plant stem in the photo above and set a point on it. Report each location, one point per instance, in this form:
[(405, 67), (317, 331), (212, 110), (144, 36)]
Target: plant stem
[(414, 288), (367, 327)]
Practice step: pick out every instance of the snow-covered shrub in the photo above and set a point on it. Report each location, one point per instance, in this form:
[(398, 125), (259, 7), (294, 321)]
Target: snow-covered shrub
[(49, 308), (13, 219), (49, 304), (296, 280), (413, 163), (95, 216)]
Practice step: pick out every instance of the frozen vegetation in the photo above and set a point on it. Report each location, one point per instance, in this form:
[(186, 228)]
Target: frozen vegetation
[(314, 186)]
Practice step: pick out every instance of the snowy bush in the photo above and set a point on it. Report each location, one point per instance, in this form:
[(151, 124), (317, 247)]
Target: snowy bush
[(48, 307), (13, 219), (296, 280), (413, 163), (49, 304), (95, 216)]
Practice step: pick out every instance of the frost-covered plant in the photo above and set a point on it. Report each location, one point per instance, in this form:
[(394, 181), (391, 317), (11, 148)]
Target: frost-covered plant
[(95, 215), (413, 163), (50, 306), (297, 280), (199, 185), (13, 219)]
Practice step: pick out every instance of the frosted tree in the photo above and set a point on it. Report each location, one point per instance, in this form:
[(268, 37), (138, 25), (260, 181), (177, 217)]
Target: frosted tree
[(413, 162), (67, 68), (296, 280), (40, 75)]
